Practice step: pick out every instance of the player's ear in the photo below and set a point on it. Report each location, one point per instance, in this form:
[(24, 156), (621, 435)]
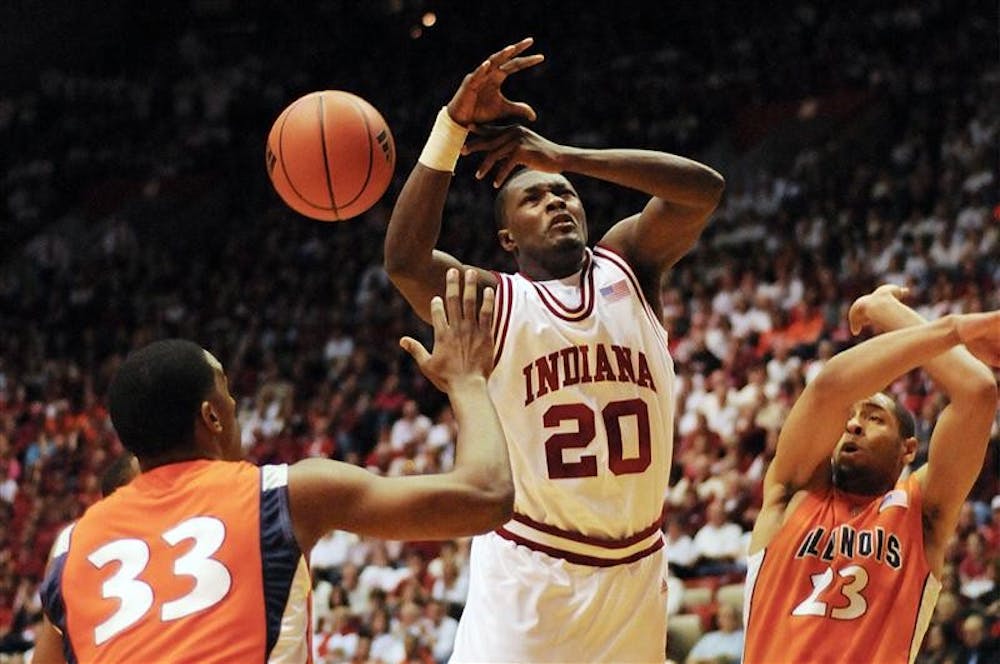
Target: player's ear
[(210, 417), (506, 240), (909, 449)]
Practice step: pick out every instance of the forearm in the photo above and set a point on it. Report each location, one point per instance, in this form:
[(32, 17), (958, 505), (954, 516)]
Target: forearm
[(873, 364), (955, 370), (481, 456), (670, 177)]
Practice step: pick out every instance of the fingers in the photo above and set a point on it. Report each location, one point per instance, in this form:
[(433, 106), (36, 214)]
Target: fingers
[(469, 297), (453, 304), (507, 166), (856, 318), (438, 318), (505, 62), (501, 153), (415, 349), (898, 292), (488, 137), (521, 110), (486, 311), (508, 52), (478, 76), (520, 64)]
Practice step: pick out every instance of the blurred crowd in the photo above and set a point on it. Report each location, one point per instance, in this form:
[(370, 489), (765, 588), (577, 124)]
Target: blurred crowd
[(857, 152)]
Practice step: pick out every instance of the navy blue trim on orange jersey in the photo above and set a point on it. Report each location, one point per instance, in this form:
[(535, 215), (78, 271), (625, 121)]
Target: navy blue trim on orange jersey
[(53, 604), (279, 557)]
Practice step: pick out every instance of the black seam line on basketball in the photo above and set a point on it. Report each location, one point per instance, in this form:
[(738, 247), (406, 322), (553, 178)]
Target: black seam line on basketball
[(371, 155), (281, 155), (326, 159)]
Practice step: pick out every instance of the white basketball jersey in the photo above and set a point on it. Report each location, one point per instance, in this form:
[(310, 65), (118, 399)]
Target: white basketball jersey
[(584, 385)]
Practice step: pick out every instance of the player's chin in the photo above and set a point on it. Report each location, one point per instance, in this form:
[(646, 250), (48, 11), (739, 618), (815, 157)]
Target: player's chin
[(569, 242)]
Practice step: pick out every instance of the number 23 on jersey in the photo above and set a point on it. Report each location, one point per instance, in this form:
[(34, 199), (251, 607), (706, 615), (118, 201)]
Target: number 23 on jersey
[(838, 595)]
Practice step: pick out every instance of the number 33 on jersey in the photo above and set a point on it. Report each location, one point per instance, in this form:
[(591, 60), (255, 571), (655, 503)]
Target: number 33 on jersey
[(216, 573)]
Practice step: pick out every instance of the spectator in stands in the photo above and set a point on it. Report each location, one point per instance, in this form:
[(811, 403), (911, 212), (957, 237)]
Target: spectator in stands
[(719, 543), (974, 567), (332, 550), (335, 640), (977, 646), (410, 429), (442, 629), (937, 648), (723, 645), (387, 645), (990, 530), (681, 552)]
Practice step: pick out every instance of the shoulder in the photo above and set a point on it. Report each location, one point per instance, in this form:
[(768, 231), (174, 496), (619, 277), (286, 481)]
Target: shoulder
[(643, 282), (607, 254), (272, 476)]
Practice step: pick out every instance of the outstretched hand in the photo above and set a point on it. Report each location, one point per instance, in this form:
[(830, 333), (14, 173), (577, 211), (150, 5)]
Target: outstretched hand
[(865, 310), (463, 340), (479, 98)]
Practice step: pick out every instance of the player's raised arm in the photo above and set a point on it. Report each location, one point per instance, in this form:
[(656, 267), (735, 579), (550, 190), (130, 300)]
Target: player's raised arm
[(476, 496), (816, 421), (684, 192), (962, 431), (414, 265)]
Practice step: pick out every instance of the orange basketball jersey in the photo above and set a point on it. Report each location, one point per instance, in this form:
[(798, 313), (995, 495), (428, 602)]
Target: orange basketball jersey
[(190, 562), (833, 586)]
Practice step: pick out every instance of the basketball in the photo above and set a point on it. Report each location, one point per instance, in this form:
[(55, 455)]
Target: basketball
[(330, 155)]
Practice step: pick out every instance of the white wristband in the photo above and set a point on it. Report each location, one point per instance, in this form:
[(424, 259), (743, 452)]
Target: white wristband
[(444, 144)]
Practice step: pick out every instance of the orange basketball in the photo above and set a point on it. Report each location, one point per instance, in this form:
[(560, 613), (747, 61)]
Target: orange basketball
[(330, 155)]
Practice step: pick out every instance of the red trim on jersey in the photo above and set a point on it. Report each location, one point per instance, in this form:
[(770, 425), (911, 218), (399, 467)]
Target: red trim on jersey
[(588, 539), (557, 308), (505, 303), (577, 558), (619, 261)]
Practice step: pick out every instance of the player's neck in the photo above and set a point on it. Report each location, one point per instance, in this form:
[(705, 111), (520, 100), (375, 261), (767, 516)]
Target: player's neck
[(175, 456), (553, 267), (860, 491)]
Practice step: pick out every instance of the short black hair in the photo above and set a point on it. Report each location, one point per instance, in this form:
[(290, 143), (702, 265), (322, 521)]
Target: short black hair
[(499, 201), (155, 396), (904, 418)]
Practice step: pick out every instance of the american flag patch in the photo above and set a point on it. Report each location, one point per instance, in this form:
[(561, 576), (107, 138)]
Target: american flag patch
[(615, 291), (895, 498)]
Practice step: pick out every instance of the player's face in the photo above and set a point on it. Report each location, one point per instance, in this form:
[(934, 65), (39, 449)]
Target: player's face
[(871, 453), (225, 407), (544, 217)]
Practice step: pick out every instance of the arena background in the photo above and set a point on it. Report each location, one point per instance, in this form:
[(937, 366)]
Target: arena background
[(859, 146)]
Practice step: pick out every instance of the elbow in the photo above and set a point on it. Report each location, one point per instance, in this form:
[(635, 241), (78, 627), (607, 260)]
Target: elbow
[(396, 265), (715, 187), (496, 507), (505, 504), (831, 381), (399, 260), (980, 392), (501, 505), (485, 499), (707, 194), (402, 271)]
